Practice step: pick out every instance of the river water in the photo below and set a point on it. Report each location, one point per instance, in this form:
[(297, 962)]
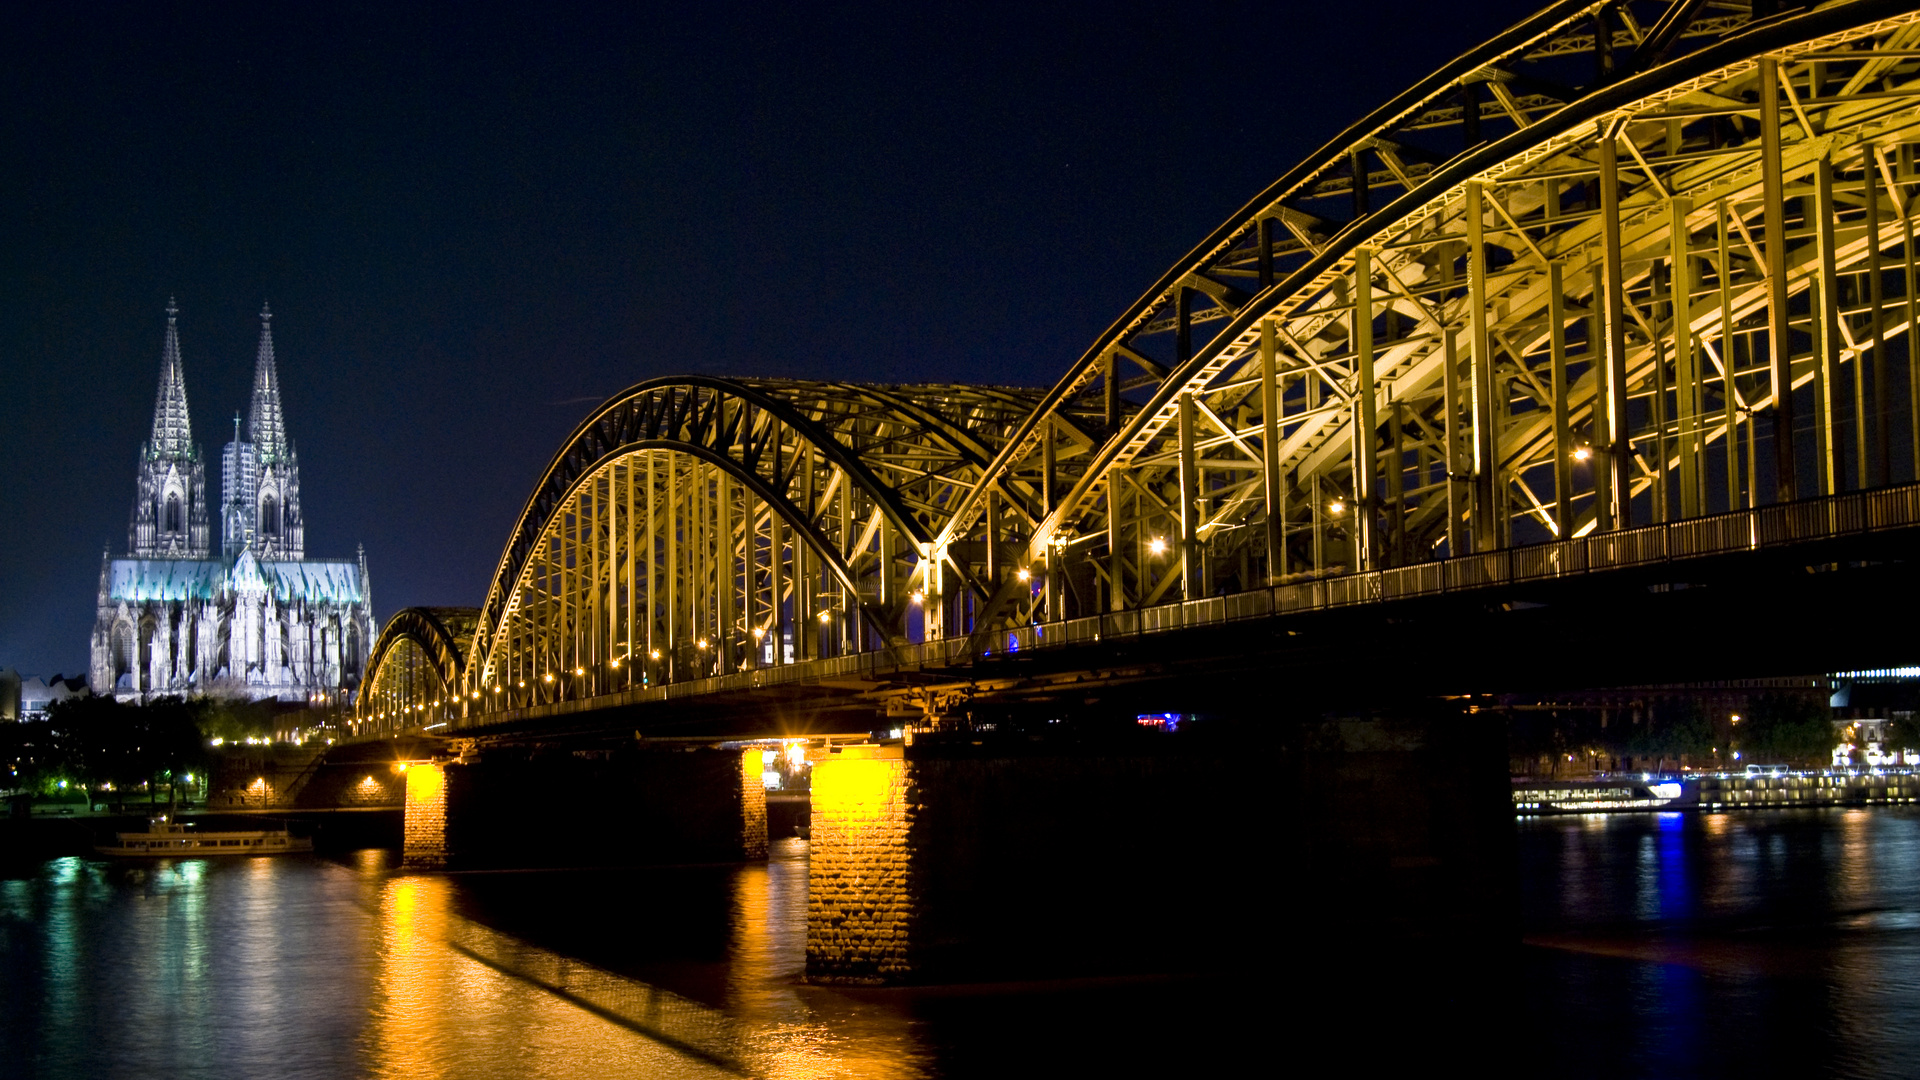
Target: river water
[(1658, 945)]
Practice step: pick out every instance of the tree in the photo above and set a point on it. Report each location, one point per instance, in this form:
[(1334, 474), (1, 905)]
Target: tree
[(1903, 733), (1788, 728), (1675, 730), (96, 740)]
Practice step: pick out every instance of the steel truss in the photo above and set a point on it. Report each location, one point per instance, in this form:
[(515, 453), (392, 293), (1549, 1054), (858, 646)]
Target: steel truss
[(695, 527), (1550, 290), (1626, 263), (416, 670)]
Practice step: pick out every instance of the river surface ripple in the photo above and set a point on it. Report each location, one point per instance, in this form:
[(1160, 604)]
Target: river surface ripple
[(1655, 945)]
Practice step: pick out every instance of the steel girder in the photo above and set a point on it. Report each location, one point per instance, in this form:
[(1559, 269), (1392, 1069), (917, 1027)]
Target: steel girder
[(1627, 262), (693, 526), (1473, 292), (416, 671)]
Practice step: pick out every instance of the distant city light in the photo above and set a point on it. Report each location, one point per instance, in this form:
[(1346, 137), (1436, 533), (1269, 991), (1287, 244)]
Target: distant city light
[(1166, 721)]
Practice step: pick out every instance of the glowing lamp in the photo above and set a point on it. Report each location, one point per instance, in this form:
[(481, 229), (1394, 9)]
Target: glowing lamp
[(1157, 546)]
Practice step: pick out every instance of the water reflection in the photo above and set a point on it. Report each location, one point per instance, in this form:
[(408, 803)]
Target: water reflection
[(1661, 945), (1712, 943)]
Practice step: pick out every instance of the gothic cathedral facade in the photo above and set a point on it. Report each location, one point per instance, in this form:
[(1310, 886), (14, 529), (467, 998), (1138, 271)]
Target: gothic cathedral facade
[(260, 620)]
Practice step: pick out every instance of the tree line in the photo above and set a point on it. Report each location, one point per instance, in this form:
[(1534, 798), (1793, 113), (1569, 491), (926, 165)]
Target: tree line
[(99, 745), (1776, 728)]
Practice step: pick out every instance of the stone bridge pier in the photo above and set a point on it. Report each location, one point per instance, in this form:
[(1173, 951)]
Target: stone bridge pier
[(944, 862), (517, 807)]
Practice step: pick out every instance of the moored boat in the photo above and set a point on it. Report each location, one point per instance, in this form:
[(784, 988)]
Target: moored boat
[(166, 839)]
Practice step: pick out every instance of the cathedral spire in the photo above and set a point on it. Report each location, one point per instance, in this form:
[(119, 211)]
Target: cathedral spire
[(172, 430), (266, 428), (169, 517)]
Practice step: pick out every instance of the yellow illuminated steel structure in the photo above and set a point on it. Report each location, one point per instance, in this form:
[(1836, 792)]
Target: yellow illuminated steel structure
[(1625, 265), (696, 527), (416, 671)]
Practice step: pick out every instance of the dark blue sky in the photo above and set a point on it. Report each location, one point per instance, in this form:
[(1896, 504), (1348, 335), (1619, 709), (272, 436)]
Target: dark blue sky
[(474, 224)]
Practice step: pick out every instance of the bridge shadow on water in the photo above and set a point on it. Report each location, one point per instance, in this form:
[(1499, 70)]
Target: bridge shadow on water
[(1757, 944), (709, 961), (1654, 945)]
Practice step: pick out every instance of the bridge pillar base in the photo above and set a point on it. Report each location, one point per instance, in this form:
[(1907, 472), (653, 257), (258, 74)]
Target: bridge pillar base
[(953, 863), (424, 832)]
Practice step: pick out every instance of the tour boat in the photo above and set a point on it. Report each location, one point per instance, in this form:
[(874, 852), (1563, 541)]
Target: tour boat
[(167, 839)]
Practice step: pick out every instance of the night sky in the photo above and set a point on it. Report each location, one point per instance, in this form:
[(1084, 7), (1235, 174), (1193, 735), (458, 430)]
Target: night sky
[(473, 225)]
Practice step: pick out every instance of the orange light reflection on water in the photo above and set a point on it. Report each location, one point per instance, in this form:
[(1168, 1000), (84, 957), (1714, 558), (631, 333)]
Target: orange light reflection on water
[(437, 1012)]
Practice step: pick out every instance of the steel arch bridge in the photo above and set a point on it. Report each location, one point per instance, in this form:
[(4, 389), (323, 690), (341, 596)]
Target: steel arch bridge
[(417, 669), (1626, 265)]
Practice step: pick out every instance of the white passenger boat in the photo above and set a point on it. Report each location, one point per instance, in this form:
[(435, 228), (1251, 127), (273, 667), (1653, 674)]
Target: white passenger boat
[(170, 840)]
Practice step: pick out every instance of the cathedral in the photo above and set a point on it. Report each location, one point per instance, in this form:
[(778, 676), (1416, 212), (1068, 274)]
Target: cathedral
[(260, 620)]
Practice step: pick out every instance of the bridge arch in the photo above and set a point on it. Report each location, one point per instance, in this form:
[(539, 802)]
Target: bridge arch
[(416, 673), (1472, 293), (1624, 264), (693, 526)]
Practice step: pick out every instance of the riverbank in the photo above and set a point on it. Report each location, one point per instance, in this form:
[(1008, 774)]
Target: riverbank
[(26, 840), (1715, 791)]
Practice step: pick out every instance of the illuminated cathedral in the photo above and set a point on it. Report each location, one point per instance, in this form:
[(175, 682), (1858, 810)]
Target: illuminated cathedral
[(258, 620)]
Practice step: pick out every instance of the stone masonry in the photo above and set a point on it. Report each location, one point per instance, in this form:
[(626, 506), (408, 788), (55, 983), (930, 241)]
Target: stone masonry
[(424, 843), (753, 806), (859, 889)]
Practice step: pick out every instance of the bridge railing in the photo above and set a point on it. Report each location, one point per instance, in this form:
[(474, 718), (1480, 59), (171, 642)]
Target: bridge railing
[(1722, 534), (1743, 530)]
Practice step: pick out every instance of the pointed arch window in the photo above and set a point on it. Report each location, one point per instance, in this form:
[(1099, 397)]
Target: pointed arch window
[(173, 513), (269, 517)]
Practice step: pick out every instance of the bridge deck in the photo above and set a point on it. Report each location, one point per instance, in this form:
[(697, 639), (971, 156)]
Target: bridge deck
[(835, 681)]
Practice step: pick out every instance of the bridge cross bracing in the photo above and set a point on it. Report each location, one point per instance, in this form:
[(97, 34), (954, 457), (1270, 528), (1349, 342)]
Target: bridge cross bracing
[(1626, 266)]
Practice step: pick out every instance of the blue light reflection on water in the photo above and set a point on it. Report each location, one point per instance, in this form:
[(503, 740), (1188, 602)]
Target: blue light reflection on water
[(1658, 945), (1697, 944)]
